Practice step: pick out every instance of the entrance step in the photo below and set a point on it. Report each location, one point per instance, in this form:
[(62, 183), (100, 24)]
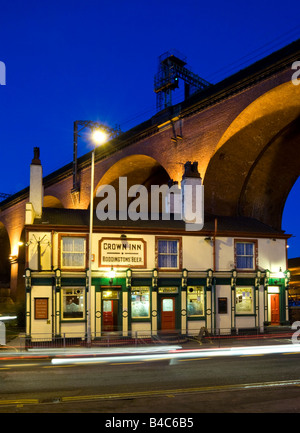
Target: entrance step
[(170, 337), (273, 329)]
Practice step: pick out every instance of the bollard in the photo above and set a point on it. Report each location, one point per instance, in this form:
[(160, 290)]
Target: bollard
[(2, 334)]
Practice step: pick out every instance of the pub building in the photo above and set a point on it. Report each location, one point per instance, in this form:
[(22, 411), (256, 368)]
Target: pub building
[(150, 276)]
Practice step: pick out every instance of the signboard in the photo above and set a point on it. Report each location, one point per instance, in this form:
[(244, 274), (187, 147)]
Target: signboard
[(41, 308), (167, 290), (222, 305), (128, 253)]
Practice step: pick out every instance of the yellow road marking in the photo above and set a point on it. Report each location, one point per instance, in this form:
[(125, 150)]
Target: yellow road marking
[(192, 359), (164, 393), (19, 365), (157, 359), (60, 366), (20, 402), (125, 363), (254, 354), (170, 392)]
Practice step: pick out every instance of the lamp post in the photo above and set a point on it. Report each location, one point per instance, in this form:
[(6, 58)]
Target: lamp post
[(99, 137)]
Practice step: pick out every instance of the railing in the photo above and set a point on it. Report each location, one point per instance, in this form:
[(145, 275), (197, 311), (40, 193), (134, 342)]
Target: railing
[(219, 337), (108, 339)]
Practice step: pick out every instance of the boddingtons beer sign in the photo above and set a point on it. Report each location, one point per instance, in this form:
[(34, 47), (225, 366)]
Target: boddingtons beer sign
[(128, 253)]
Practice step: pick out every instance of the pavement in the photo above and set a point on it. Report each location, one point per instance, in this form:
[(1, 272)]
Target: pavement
[(15, 348)]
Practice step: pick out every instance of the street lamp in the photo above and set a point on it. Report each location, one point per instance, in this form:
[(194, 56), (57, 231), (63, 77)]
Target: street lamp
[(99, 137), (80, 125)]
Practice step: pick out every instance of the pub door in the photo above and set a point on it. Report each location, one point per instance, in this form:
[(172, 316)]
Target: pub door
[(110, 315), (168, 314), (275, 316)]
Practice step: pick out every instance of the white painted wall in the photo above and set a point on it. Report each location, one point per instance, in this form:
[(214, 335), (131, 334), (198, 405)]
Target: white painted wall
[(42, 326), (46, 250), (197, 253)]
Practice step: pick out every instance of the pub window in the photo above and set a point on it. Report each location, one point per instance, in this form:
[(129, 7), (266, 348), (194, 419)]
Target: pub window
[(244, 300), (73, 303), (168, 251), (73, 252), (140, 303), (245, 255), (195, 301)]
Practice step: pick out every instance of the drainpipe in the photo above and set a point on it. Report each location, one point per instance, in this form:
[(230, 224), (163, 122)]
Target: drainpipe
[(214, 244)]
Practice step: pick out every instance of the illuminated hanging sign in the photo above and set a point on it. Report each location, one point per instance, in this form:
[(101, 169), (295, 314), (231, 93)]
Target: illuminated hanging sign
[(128, 253)]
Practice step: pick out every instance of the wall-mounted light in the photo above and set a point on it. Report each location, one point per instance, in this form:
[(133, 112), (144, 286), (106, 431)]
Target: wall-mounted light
[(111, 275), (278, 274), (13, 259)]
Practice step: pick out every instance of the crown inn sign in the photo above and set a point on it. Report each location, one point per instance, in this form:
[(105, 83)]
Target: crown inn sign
[(122, 253)]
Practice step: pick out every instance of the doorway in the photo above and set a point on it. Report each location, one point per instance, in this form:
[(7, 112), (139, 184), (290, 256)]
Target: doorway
[(110, 310), (168, 314), (274, 305), (275, 316)]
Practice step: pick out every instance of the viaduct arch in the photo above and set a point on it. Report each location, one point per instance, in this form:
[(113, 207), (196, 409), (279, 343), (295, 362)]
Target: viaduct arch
[(243, 132), (257, 159)]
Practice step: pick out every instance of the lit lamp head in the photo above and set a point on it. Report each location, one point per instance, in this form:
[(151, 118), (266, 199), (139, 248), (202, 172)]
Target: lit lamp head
[(99, 136), (111, 275)]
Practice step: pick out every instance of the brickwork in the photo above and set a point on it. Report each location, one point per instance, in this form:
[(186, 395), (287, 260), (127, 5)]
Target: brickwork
[(231, 161)]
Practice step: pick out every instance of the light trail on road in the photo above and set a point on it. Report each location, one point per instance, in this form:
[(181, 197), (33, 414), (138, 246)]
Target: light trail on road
[(177, 354)]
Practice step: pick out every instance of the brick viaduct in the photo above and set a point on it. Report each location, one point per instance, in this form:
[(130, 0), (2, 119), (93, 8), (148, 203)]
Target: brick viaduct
[(244, 132)]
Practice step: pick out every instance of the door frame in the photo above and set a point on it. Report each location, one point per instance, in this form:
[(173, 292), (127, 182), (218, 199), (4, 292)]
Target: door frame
[(274, 290), (162, 296), (112, 298)]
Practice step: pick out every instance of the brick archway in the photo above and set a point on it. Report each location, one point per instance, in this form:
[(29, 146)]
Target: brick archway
[(138, 169), (255, 163)]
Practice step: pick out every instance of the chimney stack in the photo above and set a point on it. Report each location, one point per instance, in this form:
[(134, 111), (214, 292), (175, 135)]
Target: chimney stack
[(192, 197), (36, 190)]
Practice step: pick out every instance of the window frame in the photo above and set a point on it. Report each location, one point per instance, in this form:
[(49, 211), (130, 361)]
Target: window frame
[(179, 253), (60, 252), (140, 318), (198, 316), (62, 295), (245, 288), (254, 242)]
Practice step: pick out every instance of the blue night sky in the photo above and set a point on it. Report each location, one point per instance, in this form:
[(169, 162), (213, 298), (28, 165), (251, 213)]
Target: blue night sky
[(96, 60)]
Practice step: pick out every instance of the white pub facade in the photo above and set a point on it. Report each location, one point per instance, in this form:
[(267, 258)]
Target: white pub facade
[(149, 276), (153, 278)]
